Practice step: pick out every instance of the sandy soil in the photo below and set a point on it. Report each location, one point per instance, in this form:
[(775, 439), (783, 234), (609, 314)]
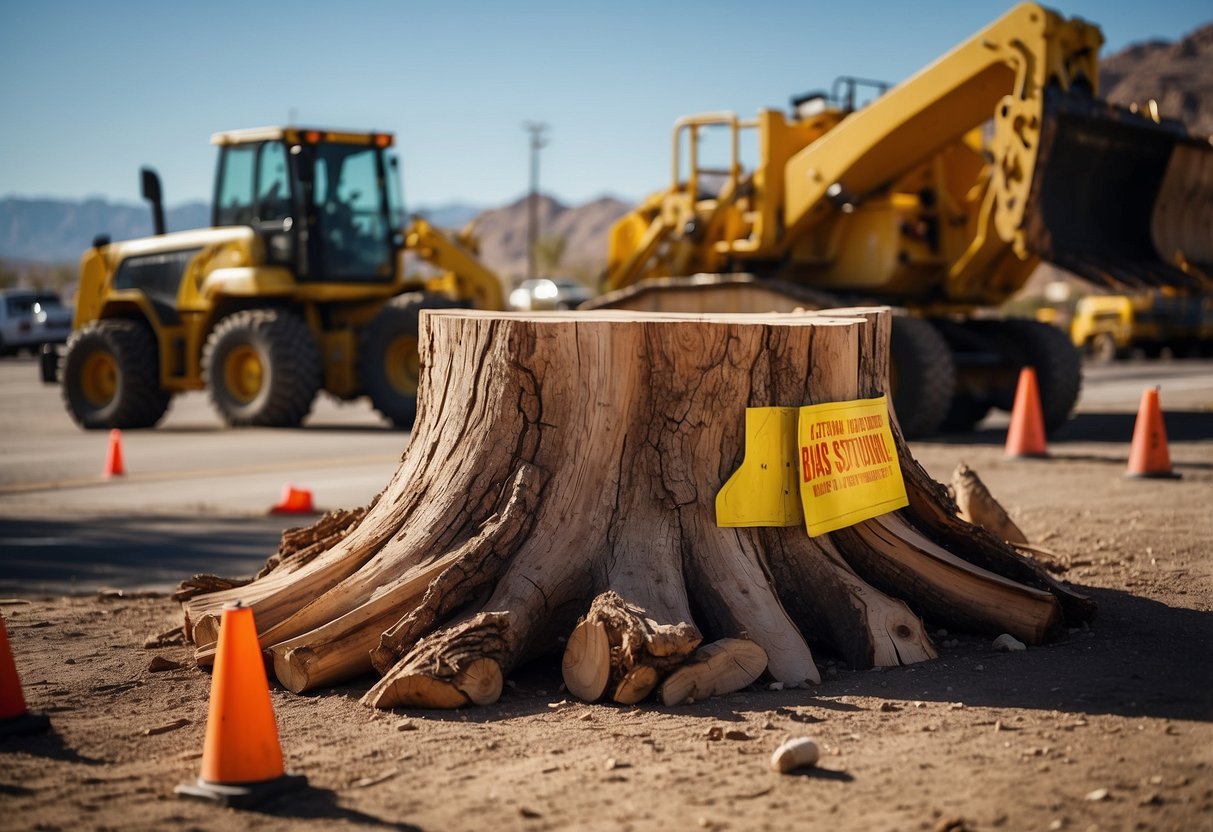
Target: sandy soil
[(1108, 728)]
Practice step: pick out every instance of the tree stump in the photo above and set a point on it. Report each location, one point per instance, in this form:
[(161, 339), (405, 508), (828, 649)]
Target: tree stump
[(558, 496)]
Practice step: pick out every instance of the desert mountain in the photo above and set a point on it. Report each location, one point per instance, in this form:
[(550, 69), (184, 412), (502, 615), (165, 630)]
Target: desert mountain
[(1179, 76), (503, 236)]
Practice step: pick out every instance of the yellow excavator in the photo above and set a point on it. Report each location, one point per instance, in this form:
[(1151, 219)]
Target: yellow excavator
[(298, 286), (939, 196)]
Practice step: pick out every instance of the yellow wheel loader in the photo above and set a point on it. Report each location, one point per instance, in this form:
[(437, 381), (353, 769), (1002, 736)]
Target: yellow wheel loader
[(938, 196), (298, 287)]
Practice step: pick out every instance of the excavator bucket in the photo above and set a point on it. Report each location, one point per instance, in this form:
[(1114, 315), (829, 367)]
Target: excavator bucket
[(1121, 199)]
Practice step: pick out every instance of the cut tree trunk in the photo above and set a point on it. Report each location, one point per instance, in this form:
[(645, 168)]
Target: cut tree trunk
[(558, 496)]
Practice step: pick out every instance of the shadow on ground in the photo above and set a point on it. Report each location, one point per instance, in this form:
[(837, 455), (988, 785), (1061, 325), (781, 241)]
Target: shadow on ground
[(80, 555)]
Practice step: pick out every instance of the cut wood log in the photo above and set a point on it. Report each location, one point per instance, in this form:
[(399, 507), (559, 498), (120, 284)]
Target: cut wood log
[(558, 497), (720, 667)]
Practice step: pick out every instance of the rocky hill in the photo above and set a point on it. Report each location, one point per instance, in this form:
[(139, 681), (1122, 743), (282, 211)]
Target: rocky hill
[(582, 228), (1179, 76)]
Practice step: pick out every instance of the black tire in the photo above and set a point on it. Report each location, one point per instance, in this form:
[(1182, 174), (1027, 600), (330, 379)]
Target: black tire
[(922, 376), (388, 363), (262, 368), (1102, 349), (111, 376), (964, 413), (1057, 362)]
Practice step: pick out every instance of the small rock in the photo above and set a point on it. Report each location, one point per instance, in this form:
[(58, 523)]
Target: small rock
[(1056, 824), (888, 707), (775, 686), (164, 729), (160, 664), (950, 824), (715, 733), (612, 764), (527, 812), (586, 717), (407, 726), (801, 752), (1007, 643), (1152, 799), (1098, 794)]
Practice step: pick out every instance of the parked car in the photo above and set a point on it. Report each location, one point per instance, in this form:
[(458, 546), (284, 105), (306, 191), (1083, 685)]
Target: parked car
[(30, 318), (544, 293)]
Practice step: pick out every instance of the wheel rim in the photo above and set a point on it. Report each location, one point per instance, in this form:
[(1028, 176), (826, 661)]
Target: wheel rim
[(403, 364), (99, 378), (243, 373)]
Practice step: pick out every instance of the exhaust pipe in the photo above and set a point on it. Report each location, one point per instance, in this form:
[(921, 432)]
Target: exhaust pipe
[(153, 194)]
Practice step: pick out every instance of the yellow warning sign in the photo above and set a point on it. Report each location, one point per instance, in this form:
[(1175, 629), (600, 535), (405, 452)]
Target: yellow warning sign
[(848, 464)]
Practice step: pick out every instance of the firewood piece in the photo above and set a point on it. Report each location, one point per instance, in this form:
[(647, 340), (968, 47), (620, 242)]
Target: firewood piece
[(449, 668), (720, 667), (614, 641), (978, 506), (586, 666), (636, 685)]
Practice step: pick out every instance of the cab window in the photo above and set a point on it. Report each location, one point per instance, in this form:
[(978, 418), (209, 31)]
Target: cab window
[(352, 217), (234, 196), (273, 183)]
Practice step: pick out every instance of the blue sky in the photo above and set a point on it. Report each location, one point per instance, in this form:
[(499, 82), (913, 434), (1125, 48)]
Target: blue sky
[(89, 91)]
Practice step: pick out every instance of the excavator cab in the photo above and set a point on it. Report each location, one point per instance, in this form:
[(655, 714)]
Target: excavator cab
[(325, 204)]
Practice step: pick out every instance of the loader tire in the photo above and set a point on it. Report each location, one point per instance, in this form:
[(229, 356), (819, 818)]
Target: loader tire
[(388, 364), (1057, 362), (922, 376), (262, 368), (111, 376)]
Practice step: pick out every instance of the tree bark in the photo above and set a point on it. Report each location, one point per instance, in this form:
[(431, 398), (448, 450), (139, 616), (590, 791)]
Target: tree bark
[(558, 495)]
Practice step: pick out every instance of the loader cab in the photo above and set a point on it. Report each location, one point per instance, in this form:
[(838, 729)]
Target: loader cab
[(326, 204)]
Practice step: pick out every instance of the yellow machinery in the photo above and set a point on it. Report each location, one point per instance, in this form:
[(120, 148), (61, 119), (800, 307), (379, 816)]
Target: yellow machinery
[(941, 196), (298, 286), (1112, 326)]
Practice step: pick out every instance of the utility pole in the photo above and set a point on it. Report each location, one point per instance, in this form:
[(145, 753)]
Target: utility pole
[(536, 129)]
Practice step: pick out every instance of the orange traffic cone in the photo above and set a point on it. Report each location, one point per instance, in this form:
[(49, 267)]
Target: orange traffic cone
[(294, 501), (15, 718), (1026, 436), (1148, 456), (113, 457), (241, 758)]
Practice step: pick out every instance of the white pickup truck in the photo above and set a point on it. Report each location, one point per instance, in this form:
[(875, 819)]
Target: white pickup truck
[(30, 318)]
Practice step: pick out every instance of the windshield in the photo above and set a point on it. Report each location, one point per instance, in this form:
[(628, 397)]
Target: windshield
[(352, 217)]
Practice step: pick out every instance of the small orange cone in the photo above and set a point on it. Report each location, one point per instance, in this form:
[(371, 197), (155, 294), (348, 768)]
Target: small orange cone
[(15, 718), (113, 457), (294, 501), (1148, 456), (1026, 436), (241, 757)]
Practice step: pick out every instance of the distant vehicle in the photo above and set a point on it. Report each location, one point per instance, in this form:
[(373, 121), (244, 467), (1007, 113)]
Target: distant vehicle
[(1107, 327), (544, 293), (30, 318)]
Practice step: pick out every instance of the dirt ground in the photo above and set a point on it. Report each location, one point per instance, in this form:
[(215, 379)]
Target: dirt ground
[(1108, 728)]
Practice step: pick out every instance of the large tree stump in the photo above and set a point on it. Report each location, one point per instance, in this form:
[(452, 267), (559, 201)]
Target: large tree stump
[(558, 495)]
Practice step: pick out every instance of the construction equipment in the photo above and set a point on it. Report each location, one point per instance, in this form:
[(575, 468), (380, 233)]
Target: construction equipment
[(298, 286), (940, 196), (1108, 327)]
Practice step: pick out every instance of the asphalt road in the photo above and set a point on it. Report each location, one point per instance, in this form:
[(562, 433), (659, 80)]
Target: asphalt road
[(195, 495)]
